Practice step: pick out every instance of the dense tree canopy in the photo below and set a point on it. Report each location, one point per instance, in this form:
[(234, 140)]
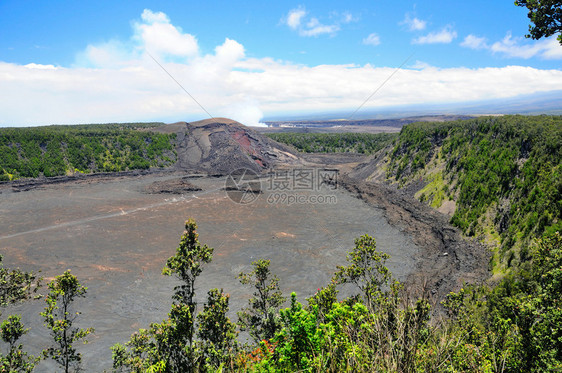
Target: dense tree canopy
[(363, 143), (59, 150)]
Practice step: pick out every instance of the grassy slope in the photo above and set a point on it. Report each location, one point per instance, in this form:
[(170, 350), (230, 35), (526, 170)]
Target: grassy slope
[(503, 175), (59, 150)]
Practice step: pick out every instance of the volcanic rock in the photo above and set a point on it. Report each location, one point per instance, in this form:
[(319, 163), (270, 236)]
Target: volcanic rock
[(173, 186), (221, 145)]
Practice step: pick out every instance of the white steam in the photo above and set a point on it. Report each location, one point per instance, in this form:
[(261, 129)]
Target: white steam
[(248, 113)]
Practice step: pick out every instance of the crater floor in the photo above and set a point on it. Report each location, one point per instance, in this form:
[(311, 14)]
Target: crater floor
[(116, 239)]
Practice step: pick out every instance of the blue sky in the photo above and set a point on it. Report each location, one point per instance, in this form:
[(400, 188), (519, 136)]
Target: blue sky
[(86, 61)]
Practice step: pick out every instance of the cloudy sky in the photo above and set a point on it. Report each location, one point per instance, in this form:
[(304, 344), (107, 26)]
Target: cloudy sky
[(107, 61)]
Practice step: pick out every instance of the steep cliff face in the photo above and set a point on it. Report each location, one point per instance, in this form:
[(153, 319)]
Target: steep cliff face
[(498, 178), (221, 145)]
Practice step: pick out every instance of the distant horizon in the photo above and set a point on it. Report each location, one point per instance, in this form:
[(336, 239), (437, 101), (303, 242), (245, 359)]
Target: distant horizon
[(474, 109), (544, 103), (310, 118)]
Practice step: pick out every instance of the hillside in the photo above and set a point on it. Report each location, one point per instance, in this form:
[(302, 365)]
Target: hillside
[(59, 150), (499, 178), (221, 145)]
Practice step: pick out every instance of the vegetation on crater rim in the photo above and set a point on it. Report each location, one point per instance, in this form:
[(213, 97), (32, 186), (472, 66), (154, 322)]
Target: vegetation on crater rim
[(504, 174), (60, 150)]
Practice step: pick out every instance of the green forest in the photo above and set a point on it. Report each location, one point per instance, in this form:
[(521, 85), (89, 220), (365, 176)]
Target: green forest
[(60, 150), (362, 143), (504, 174)]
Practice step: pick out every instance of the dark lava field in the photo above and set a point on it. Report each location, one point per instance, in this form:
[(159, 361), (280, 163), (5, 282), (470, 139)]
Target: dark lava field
[(115, 234)]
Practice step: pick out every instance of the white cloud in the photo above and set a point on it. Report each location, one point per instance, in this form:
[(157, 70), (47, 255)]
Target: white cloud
[(372, 39), (474, 42), (444, 36), (510, 47), (295, 17), (160, 37), (413, 24), (230, 51), (552, 50), (347, 17), (40, 67), (315, 28), (109, 54), (154, 17), (421, 65), (297, 20), (118, 83)]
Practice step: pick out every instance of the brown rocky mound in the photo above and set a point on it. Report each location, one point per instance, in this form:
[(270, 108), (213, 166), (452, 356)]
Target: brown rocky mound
[(221, 145), (173, 186)]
